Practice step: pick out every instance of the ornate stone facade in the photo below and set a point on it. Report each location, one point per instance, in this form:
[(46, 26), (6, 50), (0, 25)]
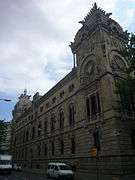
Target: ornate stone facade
[(79, 112)]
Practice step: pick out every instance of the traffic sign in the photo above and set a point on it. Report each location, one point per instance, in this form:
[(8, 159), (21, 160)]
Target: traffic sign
[(93, 152)]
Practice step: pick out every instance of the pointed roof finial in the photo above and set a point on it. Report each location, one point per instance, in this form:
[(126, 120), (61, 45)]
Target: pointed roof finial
[(95, 5), (25, 91)]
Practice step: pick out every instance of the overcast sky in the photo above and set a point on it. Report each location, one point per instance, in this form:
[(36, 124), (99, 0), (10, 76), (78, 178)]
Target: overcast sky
[(34, 42)]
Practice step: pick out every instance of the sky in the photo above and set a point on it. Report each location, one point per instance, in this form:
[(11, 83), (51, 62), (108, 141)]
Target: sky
[(34, 42)]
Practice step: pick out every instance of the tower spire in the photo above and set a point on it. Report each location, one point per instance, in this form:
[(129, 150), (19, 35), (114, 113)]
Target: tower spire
[(95, 5), (25, 91)]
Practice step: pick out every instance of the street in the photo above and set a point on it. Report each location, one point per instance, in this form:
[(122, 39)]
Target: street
[(22, 176)]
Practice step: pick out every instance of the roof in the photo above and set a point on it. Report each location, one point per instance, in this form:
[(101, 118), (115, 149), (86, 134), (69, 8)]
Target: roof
[(61, 83)]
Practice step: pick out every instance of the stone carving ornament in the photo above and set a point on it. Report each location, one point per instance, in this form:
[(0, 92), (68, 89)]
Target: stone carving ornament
[(89, 69), (118, 64)]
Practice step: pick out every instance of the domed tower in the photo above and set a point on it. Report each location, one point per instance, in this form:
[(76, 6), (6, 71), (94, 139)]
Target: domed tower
[(98, 50), (98, 46), (22, 105)]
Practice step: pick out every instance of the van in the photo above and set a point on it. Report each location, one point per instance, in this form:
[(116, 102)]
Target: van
[(59, 171), (5, 163)]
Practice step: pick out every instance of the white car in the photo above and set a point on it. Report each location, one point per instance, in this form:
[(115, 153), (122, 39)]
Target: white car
[(5, 163), (59, 171)]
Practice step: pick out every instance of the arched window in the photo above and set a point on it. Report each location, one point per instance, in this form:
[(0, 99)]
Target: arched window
[(52, 122), (23, 136), (23, 153), (118, 64), (39, 150), (61, 119), (96, 138), (71, 114), (61, 147), (45, 149), (45, 126), (132, 135), (93, 104), (73, 145), (15, 141), (33, 132), (53, 148), (39, 129), (26, 153), (31, 153), (27, 135)]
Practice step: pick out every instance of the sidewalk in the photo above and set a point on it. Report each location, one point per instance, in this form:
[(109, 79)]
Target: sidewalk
[(82, 176), (85, 176)]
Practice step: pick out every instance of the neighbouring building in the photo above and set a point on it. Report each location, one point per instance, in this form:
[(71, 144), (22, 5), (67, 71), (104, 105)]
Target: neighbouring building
[(5, 147), (78, 115)]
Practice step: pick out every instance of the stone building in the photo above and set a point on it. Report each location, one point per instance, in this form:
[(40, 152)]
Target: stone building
[(5, 146), (78, 116)]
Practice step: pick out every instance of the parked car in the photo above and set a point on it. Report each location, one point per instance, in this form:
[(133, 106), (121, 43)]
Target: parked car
[(59, 171), (5, 163)]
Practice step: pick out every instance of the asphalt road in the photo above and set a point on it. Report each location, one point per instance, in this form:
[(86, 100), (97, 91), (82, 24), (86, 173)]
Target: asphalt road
[(22, 176)]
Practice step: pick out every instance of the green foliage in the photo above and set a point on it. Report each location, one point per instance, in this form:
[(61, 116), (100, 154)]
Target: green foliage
[(131, 51), (3, 127), (126, 87)]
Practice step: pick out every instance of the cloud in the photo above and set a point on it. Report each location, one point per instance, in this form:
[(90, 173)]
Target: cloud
[(25, 52), (34, 39), (130, 21)]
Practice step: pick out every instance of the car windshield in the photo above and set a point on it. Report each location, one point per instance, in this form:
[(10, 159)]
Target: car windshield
[(64, 167), (16, 165), (5, 162)]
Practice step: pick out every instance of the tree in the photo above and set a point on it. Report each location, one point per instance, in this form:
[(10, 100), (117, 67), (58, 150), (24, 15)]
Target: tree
[(3, 127), (126, 86), (131, 51)]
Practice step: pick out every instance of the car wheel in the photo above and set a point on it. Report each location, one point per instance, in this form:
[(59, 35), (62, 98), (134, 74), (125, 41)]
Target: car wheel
[(9, 172), (59, 177), (48, 176)]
